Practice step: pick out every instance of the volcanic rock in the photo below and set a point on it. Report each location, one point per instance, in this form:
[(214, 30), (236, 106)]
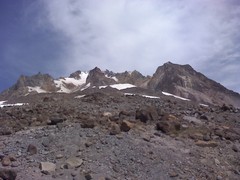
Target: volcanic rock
[(8, 174), (32, 149), (169, 124)]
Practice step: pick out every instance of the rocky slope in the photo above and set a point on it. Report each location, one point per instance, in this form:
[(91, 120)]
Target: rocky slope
[(107, 134)]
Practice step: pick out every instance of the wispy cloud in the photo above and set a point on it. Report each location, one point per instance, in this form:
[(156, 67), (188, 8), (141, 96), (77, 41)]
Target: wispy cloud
[(140, 34)]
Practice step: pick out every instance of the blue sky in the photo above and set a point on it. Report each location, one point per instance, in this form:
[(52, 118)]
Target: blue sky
[(62, 36)]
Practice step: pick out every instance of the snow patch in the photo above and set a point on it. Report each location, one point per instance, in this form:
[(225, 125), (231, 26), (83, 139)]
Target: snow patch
[(119, 86), (178, 97), (86, 86), (80, 96), (145, 96), (111, 77), (60, 83), (151, 97), (205, 105), (37, 89), (7, 105)]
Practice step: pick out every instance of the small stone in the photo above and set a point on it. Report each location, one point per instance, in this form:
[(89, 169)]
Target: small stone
[(73, 174), (206, 137), (217, 162), (6, 161), (173, 174), (59, 156), (89, 123), (235, 148), (32, 149), (146, 138), (47, 167), (8, 174), (88, 176), (74, 162), (88, 143), (46, 142), (219, 177), (15, 164)]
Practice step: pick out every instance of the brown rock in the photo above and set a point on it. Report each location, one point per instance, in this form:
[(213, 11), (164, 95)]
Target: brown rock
[(6, 161), (169, 124), (32, 149), (126, 126), (115, 129), (8, 174), (88, 123), (207, 143), (146, 114)]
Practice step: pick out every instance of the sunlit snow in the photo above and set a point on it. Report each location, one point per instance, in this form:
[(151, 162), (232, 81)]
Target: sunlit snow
[(80, 96), (119, 86), (7, 105), (146, 96), (37, 89), (60, 83), (178, 97)]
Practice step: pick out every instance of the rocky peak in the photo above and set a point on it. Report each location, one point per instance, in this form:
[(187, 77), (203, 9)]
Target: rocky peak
[(76, 75), (135, 78), (97, 78), (43, 81), (184, 81)]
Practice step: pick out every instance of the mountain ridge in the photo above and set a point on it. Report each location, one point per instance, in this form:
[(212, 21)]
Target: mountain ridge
[(179, 80)]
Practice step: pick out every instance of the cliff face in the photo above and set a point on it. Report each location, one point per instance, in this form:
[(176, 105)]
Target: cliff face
[(184, 81)]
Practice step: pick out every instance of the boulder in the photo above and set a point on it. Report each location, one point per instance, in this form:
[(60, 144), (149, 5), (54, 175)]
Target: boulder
[(47, 167), (146, 114), (8, 174), (169, 124)]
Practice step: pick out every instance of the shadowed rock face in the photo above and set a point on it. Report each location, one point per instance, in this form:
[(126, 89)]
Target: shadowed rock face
[(44, 81), (76, 75), (135, 78), (183, 80), (97, 78)]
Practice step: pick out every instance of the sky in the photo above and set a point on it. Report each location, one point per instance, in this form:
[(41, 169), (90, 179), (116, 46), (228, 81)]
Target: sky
[(59, 37)]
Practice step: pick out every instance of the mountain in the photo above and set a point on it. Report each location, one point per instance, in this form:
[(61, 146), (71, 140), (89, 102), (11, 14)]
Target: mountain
[(180, 81), (184, 81)]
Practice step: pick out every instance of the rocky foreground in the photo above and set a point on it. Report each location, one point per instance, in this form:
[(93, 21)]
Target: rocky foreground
[(107, 136)]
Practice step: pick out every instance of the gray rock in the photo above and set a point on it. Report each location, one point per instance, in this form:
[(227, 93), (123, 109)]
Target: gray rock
[(47, 167), (32, 149), (74, 162), (235, 148)]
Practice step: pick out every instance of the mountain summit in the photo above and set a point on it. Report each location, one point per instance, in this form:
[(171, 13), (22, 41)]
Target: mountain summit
[(184, 81), (170, 78)]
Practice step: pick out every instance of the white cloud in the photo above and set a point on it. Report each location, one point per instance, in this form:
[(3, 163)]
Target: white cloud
[(138, 34)]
